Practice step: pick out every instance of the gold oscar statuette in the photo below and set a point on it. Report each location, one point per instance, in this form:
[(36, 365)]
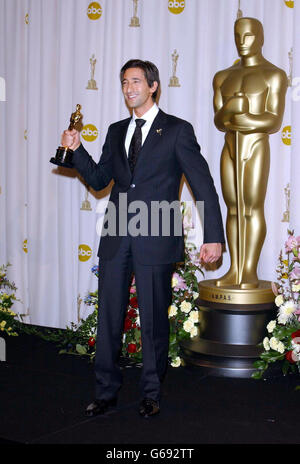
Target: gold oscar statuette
[(92, 84), (239, 11), (249, 101), (174, 81), (286, 214), (134, 22), (64, 155), (86, 205)]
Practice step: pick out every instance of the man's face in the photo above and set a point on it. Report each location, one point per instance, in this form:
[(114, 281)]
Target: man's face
[(247, 39), (137, 93)]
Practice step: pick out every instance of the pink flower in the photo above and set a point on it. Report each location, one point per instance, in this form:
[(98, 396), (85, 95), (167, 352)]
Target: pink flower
[(295, 274), (178, 282), (195, 258), (292, 242), (274, 288)]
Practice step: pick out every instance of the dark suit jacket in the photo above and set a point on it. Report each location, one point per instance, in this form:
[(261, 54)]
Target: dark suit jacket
[(169, 150)]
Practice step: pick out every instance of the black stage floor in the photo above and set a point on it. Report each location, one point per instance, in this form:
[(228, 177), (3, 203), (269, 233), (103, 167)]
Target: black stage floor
[(44, 395)]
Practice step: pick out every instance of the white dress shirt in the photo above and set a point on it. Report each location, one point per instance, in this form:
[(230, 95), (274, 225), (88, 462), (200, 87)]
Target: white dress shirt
[(149, 118)]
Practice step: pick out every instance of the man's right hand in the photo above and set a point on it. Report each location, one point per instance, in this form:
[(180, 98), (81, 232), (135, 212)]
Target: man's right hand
[(70, 139)]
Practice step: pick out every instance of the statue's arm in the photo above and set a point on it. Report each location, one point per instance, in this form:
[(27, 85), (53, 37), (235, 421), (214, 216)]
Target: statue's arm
[(221, 115), (269, 121)]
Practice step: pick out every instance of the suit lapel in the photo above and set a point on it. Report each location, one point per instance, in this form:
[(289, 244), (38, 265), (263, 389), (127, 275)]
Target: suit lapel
[(121, 140)]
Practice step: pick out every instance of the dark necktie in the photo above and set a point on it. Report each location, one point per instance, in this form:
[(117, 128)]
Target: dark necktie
[(135, 144)]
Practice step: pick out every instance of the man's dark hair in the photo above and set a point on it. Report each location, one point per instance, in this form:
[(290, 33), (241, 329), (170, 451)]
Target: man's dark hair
[(150, 71)]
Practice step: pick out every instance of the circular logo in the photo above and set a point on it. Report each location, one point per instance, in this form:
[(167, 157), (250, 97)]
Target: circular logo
[(89, 132), (176, 6), (94, 10), (289, 3), (84, 252), (287, 135), (25, 248)]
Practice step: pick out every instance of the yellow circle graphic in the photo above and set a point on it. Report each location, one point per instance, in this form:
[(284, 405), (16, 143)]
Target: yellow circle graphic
[(84, 252), (94, 10), (286, 135), (289, 3), (176, 6), (237, 61), (89, 132), (25, 248)]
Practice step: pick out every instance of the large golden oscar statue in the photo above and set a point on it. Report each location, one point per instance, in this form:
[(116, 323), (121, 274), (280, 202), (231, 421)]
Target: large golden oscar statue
[(249, 100)]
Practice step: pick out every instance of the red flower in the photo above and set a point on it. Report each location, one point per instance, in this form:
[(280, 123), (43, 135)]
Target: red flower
[(132, 313), (131, 348), (127, 324), (91, 341), (133, 302), (289, 357), (296, 334)]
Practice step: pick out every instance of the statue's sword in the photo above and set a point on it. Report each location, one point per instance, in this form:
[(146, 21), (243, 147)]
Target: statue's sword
[(239, 165)]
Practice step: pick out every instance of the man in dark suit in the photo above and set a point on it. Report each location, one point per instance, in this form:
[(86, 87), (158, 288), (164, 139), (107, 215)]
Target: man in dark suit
[(146, 156)]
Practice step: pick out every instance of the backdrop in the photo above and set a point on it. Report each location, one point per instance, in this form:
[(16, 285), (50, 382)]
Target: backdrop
[(57, 53)]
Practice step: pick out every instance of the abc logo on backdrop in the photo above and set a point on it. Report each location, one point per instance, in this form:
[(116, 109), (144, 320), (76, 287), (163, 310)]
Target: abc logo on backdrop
[(286, 135), (94, 10), (176, 6), (84, 252), (89, 132), (25, 246)]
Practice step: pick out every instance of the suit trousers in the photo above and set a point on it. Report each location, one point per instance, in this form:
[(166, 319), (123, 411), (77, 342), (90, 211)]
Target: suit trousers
[(154, 294)]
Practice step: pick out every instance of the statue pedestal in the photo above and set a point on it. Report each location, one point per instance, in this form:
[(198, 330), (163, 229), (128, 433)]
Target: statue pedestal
[(232, 323)]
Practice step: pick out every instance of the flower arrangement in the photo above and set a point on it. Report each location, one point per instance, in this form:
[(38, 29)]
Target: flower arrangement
[(7, 298), (183, 313), (283, 342)]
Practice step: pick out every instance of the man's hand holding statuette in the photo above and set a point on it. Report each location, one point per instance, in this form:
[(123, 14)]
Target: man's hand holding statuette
[(70, 139)]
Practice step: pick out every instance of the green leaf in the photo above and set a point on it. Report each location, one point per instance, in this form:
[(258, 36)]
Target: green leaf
[(260, 364), (81, 349), (297, 388), (257, 375)]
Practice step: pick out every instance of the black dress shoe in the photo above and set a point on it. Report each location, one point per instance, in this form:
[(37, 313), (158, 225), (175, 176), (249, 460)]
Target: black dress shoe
[(149, 407), (99, 407)]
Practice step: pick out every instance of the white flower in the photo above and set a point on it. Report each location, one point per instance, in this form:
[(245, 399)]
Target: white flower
[(271, 326), (138, 321), (194, 331), (296, 345), (286, 311), (274, 343), (188, 325), (194, 316), (279, 300), (185, 306), (266, 343), (296, 287), (172, 310), (195, 295), (176, 362), (296, 356), (280, 347)]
